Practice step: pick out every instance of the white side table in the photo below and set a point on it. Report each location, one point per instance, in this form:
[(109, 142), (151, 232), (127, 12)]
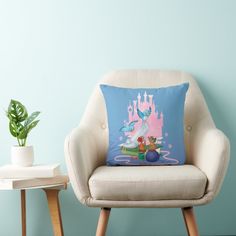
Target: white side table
[(52, 191)]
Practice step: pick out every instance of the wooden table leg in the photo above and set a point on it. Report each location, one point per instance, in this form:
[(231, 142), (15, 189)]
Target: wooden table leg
[(54, 208), (23, 212)]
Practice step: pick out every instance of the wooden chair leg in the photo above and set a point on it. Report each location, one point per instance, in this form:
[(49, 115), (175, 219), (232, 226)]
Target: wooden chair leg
[(102, 222), (54, 208), (190, 222), (23, 212)]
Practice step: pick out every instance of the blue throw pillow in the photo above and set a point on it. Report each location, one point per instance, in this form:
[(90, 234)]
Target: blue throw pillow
[(146, 125)]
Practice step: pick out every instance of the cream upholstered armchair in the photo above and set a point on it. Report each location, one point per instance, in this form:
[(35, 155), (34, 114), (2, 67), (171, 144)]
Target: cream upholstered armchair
[(195, 183)]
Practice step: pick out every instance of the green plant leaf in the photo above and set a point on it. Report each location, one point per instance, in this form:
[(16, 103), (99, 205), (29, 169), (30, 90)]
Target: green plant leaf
[(23, 134), (16, 111), (32, 125), (15, 128), (31, 118), (26, 129)]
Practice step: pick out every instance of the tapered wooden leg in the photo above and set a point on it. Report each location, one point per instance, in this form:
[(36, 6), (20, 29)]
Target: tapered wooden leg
[(102, 221), (23, 212), (54, 208), (190, 222)]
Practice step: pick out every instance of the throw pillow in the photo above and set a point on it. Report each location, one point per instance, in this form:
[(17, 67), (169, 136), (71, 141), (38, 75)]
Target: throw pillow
[(145, 125)]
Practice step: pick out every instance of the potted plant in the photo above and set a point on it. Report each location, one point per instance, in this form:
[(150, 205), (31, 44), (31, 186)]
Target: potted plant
[(20, 124)]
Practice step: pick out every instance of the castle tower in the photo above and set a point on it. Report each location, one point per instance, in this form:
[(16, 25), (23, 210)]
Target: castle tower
[(145, 97), (139, 100), (130, 111), (150, 99)]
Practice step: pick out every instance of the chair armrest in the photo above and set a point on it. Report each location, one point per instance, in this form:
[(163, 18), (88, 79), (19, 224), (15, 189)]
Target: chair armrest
[(211, 153), (81, 160)]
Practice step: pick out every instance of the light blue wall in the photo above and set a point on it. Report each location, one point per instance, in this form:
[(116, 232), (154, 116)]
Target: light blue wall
[(53, 52)]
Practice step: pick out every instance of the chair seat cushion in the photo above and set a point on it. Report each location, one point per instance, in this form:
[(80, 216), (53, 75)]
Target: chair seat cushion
[(141, 183)]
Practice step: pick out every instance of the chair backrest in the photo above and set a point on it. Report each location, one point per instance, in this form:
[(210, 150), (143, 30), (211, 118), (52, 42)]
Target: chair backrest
[(95, 116)]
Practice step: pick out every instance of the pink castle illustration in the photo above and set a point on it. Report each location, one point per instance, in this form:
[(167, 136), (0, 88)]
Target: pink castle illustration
[(154, 121)]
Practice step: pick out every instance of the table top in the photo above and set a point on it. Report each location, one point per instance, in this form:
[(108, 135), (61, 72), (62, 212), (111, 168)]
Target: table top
[(59, 181)]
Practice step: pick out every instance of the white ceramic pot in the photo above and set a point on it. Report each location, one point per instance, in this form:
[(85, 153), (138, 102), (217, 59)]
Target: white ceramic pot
[(22, 156)]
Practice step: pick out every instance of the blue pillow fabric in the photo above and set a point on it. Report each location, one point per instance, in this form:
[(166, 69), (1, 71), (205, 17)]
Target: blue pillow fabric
[(146, 125)]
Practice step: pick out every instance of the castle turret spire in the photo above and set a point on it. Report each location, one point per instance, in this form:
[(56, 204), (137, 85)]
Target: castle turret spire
[(145, 97), (150, 99), (139, 99)]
